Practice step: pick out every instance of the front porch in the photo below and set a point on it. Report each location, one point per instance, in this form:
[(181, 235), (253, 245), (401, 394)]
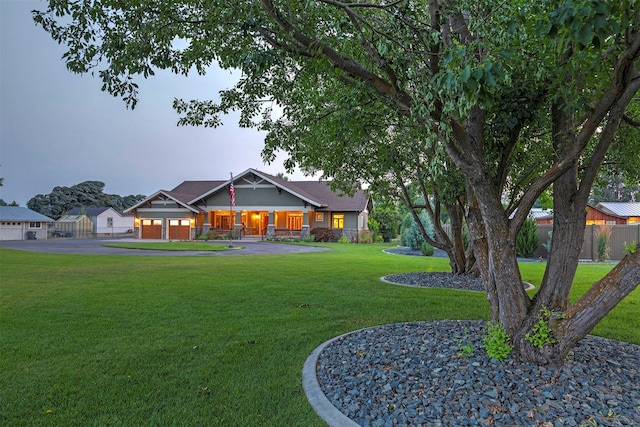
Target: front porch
[(261, 224)]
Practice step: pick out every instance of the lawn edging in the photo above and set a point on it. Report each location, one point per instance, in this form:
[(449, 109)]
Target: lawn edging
[(316, 397)]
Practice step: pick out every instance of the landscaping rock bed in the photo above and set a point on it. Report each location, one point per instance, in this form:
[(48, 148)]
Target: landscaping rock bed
[(436, 280), (416, 374)]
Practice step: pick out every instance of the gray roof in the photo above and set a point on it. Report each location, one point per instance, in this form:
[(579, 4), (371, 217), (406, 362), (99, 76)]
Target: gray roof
[(623, 209), (18, 213), (316, 193), (87, 211)]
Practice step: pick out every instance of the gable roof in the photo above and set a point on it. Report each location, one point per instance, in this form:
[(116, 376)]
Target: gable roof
[(281, 184), (88, 211), (316, 193), (19, 213), (176, 197), (621, 209), (73, 218)]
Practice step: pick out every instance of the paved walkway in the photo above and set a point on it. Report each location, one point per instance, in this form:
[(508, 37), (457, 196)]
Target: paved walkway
[(96, 247)]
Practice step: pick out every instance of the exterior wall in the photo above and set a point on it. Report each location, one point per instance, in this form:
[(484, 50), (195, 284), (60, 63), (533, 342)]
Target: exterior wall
[(595, 216), (121, 224), (165, 215), (21, 230), (263, 196), (319, 219)]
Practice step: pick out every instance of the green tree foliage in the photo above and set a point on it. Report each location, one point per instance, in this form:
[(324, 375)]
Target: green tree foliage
[(411, 233), (86, 194), (616, 188), (528, 238), (518, 97), (387, 220), (2, 202)]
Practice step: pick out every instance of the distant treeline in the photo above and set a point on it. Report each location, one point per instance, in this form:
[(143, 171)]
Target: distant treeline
[(88, 194)]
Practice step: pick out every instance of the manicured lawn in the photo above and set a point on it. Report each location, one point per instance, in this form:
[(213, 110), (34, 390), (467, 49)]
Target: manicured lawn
[(215, 341)]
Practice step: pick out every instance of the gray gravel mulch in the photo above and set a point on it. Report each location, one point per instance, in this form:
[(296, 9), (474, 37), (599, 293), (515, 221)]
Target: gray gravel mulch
[(414, 374), (436, 280)]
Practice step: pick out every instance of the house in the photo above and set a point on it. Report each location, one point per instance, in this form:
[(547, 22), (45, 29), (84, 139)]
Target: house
[(627, 210), (106, 220), (253, 204), (77, 226), (542, 216), (19, 223), (595, 216)]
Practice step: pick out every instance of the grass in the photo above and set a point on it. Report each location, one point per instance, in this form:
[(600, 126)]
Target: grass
[(117, 340), (173, 246)]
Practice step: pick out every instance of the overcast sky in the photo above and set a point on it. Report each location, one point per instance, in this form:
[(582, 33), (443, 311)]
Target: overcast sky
[(59, 129)]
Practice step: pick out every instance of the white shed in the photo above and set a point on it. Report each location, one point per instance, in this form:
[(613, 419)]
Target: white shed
[(106, 220)]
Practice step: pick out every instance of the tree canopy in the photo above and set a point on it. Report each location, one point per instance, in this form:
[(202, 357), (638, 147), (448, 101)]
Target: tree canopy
[(88, 194), (517, 96)]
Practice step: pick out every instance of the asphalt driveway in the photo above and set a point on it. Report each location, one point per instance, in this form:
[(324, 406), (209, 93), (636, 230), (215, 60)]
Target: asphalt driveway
[(95, 247)]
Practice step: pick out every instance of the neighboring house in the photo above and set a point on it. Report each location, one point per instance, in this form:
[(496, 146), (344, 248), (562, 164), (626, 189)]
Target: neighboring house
[(264, 205), (18, 223), (77, 226), (106, 220), (595, 216), (542, 216), (627, 210)]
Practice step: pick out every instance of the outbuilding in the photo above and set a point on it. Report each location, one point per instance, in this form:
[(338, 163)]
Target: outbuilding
[(77, 226), (106, 220), (19, 223)]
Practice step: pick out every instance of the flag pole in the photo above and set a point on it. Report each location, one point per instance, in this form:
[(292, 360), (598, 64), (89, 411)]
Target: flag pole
[(231, 197)]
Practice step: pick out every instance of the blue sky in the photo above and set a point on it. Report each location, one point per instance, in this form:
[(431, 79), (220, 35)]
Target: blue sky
[(59, 129)]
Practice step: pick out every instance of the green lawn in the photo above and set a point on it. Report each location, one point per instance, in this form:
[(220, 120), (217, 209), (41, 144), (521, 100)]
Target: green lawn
[(215, 341)]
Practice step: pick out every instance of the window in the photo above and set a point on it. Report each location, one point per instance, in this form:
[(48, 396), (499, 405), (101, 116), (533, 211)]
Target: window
[(294, 222), (184, 222), (338, 221), (35, 224), (109, 222), (319, 217)]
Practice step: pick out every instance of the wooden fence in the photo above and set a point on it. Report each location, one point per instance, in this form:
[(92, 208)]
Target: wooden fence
[(619, 235)]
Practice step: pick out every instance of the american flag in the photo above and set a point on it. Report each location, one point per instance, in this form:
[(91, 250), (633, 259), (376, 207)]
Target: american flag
[(232, 191)]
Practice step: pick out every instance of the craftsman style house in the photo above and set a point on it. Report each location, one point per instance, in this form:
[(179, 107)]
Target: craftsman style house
[(252, 204)]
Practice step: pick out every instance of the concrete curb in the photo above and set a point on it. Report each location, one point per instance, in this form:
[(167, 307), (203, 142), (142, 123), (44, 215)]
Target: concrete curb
[(323, 407)]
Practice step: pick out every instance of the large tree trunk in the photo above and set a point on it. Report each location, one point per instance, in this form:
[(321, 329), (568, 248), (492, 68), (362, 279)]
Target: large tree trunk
[(457, 255)]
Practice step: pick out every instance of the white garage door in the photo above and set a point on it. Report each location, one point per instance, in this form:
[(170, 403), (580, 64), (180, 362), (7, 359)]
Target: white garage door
[(11, 231)]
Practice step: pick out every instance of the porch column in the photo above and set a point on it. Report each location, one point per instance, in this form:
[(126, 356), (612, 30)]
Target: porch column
[(304, 232), (271, 227), (238, 225)]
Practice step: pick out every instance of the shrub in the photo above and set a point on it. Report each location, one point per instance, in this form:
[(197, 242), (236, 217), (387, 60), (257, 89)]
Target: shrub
[(344, 239), (528, 238), (496, 342), (384, 221), (547, 245), (413, 237), (321, 234), (427, 249), (366, 237), (603, 236)]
